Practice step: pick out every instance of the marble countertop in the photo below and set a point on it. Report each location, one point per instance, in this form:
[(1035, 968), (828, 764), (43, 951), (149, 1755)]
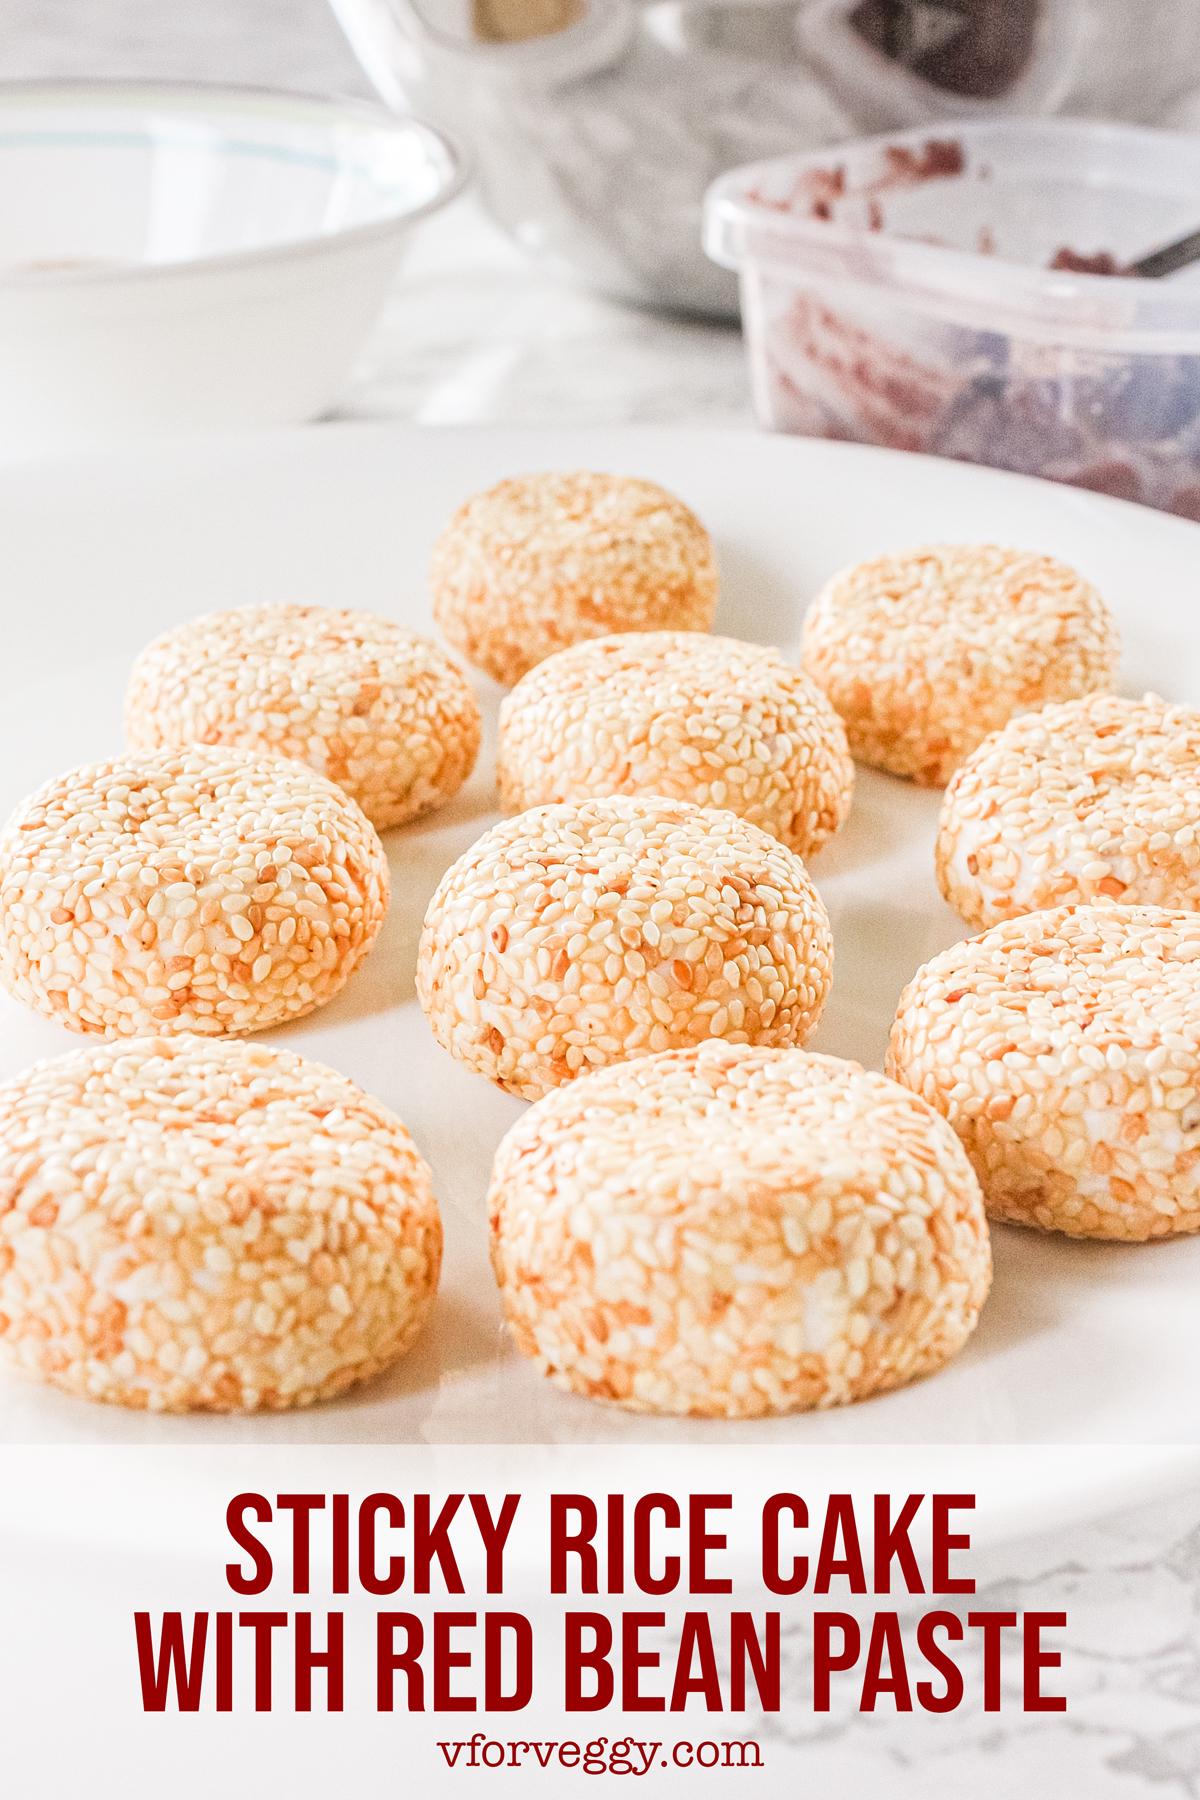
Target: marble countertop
[(474, 332), (1130, 1586)]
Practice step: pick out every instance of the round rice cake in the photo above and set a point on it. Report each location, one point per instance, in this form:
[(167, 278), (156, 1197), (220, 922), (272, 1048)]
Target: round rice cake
[(924, 652), (382, 712), (545, 560), (204, 890), (188, 1223), (1094, 801), (579, 935), (1064, 1048), (731, 1231), (707, 719)]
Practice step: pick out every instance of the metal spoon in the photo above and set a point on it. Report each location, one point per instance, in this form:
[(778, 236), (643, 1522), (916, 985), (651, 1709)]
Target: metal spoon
[(1179, 255)]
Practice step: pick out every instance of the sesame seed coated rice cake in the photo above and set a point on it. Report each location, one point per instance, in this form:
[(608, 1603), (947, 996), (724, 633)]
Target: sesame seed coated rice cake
[(733, 1231), (541, 561), (924, 652), (1064, 1048), (1093, 801), (679, 713), (204, 890), (189, 1223), (574, 936), (384, 713)]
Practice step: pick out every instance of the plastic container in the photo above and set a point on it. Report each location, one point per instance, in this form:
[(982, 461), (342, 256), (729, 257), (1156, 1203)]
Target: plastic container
[(902, 290)]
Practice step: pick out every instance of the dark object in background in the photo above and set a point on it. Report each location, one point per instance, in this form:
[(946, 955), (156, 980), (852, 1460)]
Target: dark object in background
[(975, 47)]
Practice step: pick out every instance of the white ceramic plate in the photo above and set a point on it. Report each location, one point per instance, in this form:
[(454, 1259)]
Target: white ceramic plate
[(1086, 1343)]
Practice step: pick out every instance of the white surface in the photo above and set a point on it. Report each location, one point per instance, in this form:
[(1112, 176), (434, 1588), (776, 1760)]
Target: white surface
[(173, 260), (1078, 1342)]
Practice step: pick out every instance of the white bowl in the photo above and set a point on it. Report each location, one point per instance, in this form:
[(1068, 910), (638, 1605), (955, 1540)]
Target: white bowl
[(176, 259)]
